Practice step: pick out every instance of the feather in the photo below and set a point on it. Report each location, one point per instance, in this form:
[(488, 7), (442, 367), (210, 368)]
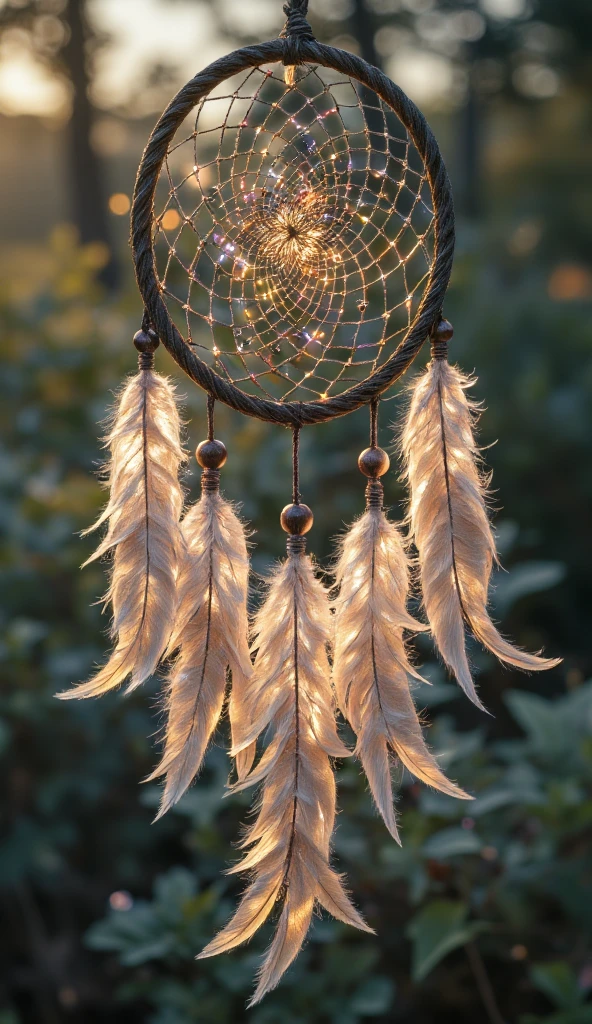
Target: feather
[(290, 697), (211, 634), (449, 521), (143, 532), (371, 668)]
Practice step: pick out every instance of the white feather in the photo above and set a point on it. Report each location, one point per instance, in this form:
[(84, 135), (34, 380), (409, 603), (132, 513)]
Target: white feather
[(449, 522), (290, 698), (211, 634), (371, 668), (143, 532)]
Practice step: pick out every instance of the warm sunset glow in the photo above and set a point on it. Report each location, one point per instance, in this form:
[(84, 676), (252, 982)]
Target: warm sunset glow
[(569, 282), (171, 220), (119, 204)]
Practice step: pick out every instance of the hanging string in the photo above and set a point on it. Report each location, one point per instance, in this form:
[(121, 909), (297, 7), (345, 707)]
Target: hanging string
[(374, 422), (294, 32), (296, 465), (211, 403)]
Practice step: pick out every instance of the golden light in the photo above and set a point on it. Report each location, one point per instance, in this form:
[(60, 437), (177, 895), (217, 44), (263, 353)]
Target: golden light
[(293, 236), (569, 282), (119, 204), (171, 220)]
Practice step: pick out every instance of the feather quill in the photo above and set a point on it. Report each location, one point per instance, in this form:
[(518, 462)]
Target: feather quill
[(211, 635), (142, 513), (449, 522), (371, 667), (290, 697)]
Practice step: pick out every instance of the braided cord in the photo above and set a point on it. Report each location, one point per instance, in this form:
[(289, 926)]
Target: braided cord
[(296, 30)]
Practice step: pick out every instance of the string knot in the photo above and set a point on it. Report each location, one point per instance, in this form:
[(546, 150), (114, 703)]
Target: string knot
[(295, 31)]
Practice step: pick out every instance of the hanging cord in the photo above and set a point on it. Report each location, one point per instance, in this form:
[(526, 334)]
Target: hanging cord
[(374, 462), (211, 454), (297, 518), (296, 466), (374, 422), (211, 404), (295, 31)]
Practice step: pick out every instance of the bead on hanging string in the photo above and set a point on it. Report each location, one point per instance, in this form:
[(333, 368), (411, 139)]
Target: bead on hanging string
[(296, 519), (374, 462), (211, 455)]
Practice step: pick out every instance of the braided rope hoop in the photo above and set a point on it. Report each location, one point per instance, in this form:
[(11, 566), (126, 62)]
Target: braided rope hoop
[(291, 413)]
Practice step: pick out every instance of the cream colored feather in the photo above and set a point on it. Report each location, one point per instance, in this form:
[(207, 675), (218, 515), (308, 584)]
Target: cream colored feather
[(211, 634), (449, 522), (371, 668), (290, 697), (143, 514)]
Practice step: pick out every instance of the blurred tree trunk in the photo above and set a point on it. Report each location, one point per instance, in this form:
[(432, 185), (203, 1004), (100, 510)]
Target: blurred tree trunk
[(470, 193), (363, 26), (87, 194)]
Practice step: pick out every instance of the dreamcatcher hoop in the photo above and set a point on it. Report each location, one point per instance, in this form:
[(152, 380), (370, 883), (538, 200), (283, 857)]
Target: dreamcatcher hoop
[(292, 50)]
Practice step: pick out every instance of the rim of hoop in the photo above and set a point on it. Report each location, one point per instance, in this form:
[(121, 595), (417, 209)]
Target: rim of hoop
[(318, 410)]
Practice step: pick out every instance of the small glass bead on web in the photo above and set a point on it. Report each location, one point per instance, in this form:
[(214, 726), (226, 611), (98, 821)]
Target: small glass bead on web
[(294, 232)]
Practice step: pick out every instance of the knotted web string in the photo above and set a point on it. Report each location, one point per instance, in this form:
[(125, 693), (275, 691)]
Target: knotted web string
[(295, 235)]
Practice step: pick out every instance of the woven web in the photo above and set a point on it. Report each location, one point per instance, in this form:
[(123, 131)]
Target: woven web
[(293, 232)]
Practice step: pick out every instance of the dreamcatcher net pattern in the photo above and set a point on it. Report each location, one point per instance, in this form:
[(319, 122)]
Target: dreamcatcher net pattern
[(294, 232)]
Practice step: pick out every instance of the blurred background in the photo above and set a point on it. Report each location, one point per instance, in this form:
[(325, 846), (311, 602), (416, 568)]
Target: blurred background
[(484, 915)]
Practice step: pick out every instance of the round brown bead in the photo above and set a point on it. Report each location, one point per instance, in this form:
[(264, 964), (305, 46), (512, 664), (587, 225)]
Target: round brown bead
[(296, 519), (373, 462), (444, 331), (146, 341), (211, 454)]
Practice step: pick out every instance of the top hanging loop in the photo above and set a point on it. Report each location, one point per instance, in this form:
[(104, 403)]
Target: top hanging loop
[(294, 31)]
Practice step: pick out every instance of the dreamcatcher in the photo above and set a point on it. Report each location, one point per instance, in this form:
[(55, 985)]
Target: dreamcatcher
[(293, 235)]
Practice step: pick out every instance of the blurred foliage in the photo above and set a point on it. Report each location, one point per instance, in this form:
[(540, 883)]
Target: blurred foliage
[(496, 890), (102, 912)]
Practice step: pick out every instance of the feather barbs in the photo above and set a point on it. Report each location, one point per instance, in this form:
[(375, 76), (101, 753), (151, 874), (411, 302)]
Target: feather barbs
[(290, 699), (371, 668), (211, 636), (449, 523), (142, 513)]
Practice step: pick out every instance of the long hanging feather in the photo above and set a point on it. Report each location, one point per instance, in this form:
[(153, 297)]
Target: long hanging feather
[(371, 668), (143, 533), (211, 635), (290, 697), (449, 521)]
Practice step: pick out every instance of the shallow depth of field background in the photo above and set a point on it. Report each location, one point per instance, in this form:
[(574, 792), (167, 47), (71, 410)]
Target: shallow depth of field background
[(484, 915)]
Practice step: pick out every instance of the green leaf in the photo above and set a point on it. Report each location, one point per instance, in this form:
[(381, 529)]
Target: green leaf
[(373, 997), (451, 842), (523, 579), (439, 928), (430, 695), (538, 718), (583, 1015), (559, 983)]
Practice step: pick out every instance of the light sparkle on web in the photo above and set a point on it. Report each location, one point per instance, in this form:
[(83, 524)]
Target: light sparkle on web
[(299, 229)]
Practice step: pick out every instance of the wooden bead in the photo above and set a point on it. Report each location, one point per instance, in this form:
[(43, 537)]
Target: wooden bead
[(296, 519), (373, 462), (211, 454), (146, 342), (444, 331)]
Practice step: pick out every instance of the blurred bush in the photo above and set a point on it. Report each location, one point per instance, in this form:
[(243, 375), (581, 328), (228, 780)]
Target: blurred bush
[(485, 913)]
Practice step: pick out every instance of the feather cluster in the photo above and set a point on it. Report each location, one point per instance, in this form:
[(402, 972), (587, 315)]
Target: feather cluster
[(210, 634), (449, 522), (143, 534), (289, 698), (371, 667)]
